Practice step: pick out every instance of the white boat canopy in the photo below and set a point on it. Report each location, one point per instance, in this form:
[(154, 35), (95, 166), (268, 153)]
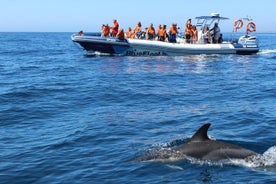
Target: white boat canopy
[(203, 21)]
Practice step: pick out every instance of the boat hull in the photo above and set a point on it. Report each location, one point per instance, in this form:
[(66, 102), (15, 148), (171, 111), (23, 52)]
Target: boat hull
[(139, 47)]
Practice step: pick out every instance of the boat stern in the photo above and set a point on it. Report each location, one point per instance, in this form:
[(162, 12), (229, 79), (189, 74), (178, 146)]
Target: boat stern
[(247, 44)]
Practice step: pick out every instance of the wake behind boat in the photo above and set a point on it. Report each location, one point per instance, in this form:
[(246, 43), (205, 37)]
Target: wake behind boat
[(246, 44)]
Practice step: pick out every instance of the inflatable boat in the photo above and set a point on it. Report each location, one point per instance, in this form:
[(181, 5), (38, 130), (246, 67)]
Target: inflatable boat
[(247, 44)]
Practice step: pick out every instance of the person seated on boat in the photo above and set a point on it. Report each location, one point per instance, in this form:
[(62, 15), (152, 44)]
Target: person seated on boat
[(80, 33), (130, 33), (105, 30), (120, 35), (172, 33), (115, 28), (188, 31), (194, 34), (151, 32), (215, 33), (207, 35), (138, 30)]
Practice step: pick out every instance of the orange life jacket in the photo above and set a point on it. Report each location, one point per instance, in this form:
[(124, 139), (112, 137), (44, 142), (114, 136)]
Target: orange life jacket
[(173, 30), (130, 34), (106, 30), (161, 32), (121, 34), (194, 33), (151, 30), (188, 29)]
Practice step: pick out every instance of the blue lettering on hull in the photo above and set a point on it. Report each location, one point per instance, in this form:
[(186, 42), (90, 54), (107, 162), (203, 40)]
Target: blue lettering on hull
[(143, 53)]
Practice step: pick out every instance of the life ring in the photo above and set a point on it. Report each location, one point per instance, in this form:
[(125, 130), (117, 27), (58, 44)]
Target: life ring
[(251, 27), (238, 24)]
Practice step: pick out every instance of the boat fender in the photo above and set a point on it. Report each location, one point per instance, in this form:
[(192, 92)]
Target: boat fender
[(238, 24), (251, 27)]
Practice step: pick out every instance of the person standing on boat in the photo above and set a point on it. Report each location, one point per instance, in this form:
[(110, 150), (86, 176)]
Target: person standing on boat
[(194, 34), (216, 33), (159, 32), (172, 33), (165, 32), (115, 28), (206, 35), (162, 33), (188, 30), (151, 32)]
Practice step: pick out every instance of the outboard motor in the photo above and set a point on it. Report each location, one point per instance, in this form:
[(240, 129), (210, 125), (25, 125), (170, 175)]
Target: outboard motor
[(248, 41)]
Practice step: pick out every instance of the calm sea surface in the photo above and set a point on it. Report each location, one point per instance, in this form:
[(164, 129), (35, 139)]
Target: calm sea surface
[(69, 118)]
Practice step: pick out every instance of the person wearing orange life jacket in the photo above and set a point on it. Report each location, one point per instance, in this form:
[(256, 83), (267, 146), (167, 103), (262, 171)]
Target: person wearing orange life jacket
[(129, 33), (188, 31), (162, 33), (105, 30), (151, 32), (173, 32), (115, 28), (194, 34), (138, 30), (120, 35)]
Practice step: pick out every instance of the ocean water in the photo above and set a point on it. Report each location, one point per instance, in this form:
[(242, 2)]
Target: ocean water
[(69, 118)]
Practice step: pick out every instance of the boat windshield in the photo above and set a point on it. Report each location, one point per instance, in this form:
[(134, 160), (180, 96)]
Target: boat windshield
[(209, 21)]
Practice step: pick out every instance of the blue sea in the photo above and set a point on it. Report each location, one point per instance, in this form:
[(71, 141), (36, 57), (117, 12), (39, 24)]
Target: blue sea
[(66, 117)]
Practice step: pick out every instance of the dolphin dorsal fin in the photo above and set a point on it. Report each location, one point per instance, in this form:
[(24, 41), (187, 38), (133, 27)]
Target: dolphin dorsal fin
[(201, 133)]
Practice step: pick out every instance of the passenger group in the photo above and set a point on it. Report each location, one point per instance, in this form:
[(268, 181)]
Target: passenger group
[(162, 34)]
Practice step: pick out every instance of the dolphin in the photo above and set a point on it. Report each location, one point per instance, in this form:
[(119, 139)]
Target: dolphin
[(200, 146)]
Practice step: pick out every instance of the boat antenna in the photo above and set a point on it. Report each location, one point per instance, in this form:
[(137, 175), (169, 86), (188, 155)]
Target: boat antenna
[(247, 18)]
